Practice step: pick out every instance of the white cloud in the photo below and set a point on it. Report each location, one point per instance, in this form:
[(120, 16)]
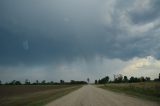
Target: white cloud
[(148, 66)]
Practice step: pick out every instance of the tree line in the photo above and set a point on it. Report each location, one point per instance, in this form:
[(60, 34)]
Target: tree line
[(124, 79), (43, 82)]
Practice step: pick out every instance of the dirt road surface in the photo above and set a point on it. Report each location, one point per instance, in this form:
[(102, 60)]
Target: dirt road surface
[(93, 96)]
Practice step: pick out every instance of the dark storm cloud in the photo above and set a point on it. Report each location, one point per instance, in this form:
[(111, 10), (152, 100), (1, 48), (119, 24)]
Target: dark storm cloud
[(35, 32), (146, 15)]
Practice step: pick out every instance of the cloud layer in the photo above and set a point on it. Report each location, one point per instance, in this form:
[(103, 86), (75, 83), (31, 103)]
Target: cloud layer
[(41, 33), (148, 66)]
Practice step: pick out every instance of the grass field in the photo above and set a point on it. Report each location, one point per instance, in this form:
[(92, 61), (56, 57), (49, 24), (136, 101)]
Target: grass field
[(32, 95), (146, 90)]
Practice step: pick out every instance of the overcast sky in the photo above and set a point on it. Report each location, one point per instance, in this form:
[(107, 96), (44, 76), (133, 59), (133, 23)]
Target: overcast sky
[(76, 39)]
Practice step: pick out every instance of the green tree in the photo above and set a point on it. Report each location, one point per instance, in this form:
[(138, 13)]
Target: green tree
[(17, 83), (51, 83), (12, 82), (118, 78), (142, 79), (125, 79), (61, 81), (104, 80), (107, 79), (147, 78), (131, 79), (96, 81), (43, 82), (27, 82)]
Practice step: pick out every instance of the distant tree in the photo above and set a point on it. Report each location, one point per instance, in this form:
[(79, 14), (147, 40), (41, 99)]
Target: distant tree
[(12, 82), (125, 79), (147, 78), (157, 79), (96, 81), (107, 78), (37, 82), (110, 81), (72, 81), (43, 82), (138, 79), (88, 80), (132, 79), (0, 82), (104, 80), (77, 82), (118, 78), (51, 83), (135, 79), (27, 82), (6, 83), (142, 79), (61, 81), (17, 83)]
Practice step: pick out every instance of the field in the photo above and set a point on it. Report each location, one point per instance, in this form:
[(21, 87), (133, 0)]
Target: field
[(32, 95), (146, 90)]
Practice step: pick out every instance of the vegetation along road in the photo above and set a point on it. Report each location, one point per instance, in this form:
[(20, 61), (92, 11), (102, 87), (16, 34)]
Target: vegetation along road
[(92, 96), (33, 95)]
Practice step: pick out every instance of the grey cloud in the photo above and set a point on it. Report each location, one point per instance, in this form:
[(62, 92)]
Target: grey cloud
[(66, 30), (80, 69), (26, 45), (146, 15)]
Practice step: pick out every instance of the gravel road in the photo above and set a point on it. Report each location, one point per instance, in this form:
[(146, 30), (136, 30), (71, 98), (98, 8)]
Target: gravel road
[(92, 96)]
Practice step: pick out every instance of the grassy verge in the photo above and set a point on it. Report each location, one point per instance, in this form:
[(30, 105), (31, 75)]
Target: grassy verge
[(145, 90), (39, 98)]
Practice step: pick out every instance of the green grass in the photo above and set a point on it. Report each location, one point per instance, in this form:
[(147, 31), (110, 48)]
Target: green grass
[(145, 90), (39, 98)]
